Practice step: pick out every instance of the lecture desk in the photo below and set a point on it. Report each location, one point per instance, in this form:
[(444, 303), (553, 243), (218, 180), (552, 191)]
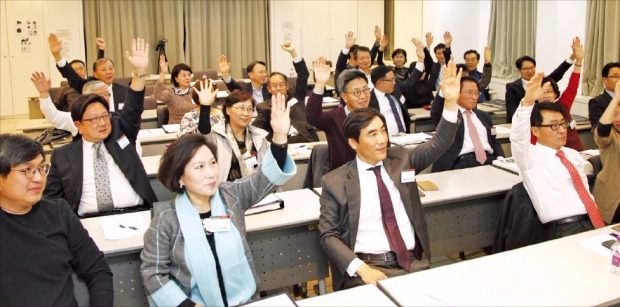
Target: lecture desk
[(463, 213), (366, 295), (285, 247), (562, 272)]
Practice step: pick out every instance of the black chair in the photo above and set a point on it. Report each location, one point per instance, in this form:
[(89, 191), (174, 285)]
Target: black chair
[(162, 116), (597, 165), (318, 165)]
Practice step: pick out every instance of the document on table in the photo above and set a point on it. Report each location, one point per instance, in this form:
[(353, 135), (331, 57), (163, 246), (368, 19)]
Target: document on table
[(279, 300), (269, 203), (502, 130), (408, 139), (173, 128), (595, 244), (508, 164), (121, 226), (145, 133)]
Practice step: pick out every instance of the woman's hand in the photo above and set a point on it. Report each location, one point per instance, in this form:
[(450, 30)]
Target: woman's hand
[(206, 96)]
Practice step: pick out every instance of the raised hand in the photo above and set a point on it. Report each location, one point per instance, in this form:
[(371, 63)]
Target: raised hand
[(139, 55), (42, 84), (290, 48), (280, 119), (577, 50), (206, 96), (534, 90), (55, 46), (429, 40), (383, 43), (100, 43), (447, 39), (163, 64), (321, 72), (487, 54), (451, 85), (224, 65), (349, 39), (419, 48), (377, 34)]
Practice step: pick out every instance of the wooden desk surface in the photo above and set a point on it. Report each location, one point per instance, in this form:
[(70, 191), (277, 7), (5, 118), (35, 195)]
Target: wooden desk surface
[(555, 273), (366, 295), (419, 113)]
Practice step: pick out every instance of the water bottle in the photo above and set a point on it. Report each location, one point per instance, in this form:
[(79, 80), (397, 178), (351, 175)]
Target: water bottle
[(615, 258)]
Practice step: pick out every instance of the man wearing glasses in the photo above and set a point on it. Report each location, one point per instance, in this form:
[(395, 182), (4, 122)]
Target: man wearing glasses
[(598, 104), (553, 175), (474, 144), (526, 66), (102, 173)]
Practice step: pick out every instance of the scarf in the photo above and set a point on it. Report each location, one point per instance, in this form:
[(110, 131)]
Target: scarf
[(236, 271), (232, 140), (182, 92)]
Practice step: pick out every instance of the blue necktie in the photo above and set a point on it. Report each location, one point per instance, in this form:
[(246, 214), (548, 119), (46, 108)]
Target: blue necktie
[(396, 112)]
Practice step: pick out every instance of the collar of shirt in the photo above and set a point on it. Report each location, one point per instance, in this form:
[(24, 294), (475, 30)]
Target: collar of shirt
[(611, 93), (363, 166), (379, 94), (547, 151), (523, 82), (88, 146)]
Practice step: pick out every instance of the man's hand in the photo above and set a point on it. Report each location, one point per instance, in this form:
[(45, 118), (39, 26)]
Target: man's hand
[(321, 72), (139, 55), (451, 85), (290, 48), (429, 40), (447, 39), (487, 55), (534, 90), (224, 65), (280, 119), (206, 96), (383, 43), (163, 65), (370, 275), (577, 50), (42, 84), (349, 40), (377, 34), (100, 43), (419, 49), (55, 46)]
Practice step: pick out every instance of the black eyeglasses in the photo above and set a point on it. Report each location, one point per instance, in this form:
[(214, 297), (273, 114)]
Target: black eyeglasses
[(555, 127), (95, 119), (44, 169)]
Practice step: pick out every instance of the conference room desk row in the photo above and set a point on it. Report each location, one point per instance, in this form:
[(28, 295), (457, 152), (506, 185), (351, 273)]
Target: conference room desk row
[(284, 243), (421, 118)]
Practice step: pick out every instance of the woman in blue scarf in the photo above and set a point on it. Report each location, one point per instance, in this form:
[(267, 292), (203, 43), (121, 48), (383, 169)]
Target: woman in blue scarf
[(195, 251)]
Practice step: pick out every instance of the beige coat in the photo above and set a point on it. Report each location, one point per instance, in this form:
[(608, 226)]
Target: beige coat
[(607, 186)]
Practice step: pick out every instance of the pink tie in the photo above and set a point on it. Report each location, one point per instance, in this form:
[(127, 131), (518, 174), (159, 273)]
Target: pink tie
[(591, 207), (481, 155)]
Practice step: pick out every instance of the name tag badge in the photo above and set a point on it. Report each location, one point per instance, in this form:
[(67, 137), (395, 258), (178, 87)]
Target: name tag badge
[(251, 162), (292, 102), (123, 141), (217, 224), (573, 124), (407, 176), (493, 131)]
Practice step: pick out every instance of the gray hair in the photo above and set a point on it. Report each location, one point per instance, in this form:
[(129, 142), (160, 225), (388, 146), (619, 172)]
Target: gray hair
[(90, 86), (347, 76)]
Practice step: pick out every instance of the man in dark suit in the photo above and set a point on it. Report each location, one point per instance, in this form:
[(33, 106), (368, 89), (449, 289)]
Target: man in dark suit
[(103, 70), (598, 104), (387, 97), (462, 153), (346, 57), (300, 131), (257, 71), (526, 65), (107, 140), (371, 233)]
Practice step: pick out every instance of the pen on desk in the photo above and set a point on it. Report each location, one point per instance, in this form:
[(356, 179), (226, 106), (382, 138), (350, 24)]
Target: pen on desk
[(130, 227)]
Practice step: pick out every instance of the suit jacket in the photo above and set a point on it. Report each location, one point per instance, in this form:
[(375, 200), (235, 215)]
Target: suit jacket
[(247, 87), (75, 81), (66, 98), (447, 160), (596, 107), (404, 113), (298, 111), (65, 176), (419, 91), (515, 91), (340, 200)]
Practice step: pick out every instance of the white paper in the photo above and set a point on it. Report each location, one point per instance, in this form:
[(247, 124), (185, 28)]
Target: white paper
[(121, 226), (280, 300), (595, 244), (591, 152), (407, 139), (222, 94), (174, 128), (502, 130), (507, 163), (145, 133)]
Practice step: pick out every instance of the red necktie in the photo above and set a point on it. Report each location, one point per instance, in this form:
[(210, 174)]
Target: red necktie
[(593, 213), (390, 226), (481, 155)]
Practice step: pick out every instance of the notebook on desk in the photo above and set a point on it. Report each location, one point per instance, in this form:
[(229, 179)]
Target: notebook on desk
[(507, 164), (270, 203)]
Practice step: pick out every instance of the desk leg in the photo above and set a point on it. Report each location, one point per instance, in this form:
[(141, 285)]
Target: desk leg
[(322, 288)]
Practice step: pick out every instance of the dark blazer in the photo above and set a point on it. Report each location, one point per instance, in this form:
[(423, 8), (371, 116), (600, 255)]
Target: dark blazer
[(447, 160), (66, 98), (298, 111), (404, 113), (65, 176), (246, 87), (340, 200), (419, 92), (75, 81), (515, 91), (596, 107)]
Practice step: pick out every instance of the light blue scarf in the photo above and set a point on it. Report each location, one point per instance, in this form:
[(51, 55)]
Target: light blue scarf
[(236, 271)]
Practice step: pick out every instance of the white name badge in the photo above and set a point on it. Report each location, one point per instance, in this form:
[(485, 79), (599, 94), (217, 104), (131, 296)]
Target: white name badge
[(216, 224), (251, 162), (123, 141), (493, 131), (572, 124), (292, 102), (407, 176)]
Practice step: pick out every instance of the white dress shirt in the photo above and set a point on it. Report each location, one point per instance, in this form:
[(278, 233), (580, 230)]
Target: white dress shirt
[(546, 179), (123, 193), (468, 146), (371, 237), (386, 110), (60, 119)]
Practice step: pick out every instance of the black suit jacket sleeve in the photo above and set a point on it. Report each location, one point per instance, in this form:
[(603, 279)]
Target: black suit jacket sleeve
[(204, 120), (376, 53), (53, 186), (559, 72), (341, 64), (100, 53), (233, 85), (437, 109), (447, 53), (131, 114), (75, 81), (514, 93), (487, 71)]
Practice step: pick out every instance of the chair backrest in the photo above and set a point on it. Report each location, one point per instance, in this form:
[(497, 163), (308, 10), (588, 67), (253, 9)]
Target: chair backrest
[(55, 93), (162, 116), (123, 80), (150, 103), (64, 83), (148, 90), (318, 165), (210, 73)]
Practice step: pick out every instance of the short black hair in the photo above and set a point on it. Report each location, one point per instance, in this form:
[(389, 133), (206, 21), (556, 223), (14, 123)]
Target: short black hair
[(519, 62), (176, 70), (100, 61), (379, 72), (250, 66), (359, 119), (608, 67), (353, 49), (554, 85), (439, 46), (179, 153), (462, 67), (360, 48), (347, 76), (79, 106), (78, 61), (472, 51), (235, 97), (398, 51), (469, 79), (16, 149), (536, 118)]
